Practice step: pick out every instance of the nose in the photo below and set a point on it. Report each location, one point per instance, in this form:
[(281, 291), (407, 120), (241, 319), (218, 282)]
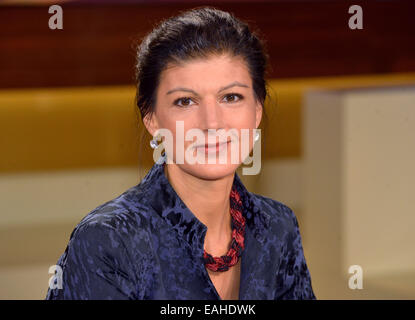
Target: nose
[(211, 116)]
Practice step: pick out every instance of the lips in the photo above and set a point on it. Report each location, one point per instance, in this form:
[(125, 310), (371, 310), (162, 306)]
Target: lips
[(215, 145), (212, 145)]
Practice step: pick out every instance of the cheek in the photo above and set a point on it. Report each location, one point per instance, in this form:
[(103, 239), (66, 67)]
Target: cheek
[(244, 121), (241, 119), (168, 120), (178, 142)]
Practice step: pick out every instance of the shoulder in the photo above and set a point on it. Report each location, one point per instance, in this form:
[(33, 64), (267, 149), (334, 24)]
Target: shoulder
[(115, 222), (293, 278), (277, 214)]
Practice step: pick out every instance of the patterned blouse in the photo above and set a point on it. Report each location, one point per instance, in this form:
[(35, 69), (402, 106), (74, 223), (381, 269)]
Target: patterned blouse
[(146, 244)]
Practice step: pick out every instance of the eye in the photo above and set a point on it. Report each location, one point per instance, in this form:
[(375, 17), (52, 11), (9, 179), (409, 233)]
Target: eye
[(185, 102), (233, 97)]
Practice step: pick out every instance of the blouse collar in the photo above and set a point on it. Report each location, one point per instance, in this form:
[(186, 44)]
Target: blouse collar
[(162, 197)]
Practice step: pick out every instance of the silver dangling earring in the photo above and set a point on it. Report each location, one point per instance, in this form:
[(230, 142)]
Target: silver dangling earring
[(154, 144), (256, 136)]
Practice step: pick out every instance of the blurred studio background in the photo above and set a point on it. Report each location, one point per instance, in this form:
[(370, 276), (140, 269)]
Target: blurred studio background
[(339, 146)]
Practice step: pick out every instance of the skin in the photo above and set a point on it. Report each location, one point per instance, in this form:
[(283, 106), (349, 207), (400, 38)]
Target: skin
[(205, 188)]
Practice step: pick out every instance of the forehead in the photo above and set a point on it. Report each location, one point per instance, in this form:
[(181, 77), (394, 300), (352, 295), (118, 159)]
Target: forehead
[(214, 71)]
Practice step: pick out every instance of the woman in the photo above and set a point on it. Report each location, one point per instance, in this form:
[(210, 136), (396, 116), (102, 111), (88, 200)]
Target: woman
[(191, 230)]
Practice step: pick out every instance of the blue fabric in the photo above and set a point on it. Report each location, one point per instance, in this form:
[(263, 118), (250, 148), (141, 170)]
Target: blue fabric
[(146, 244)]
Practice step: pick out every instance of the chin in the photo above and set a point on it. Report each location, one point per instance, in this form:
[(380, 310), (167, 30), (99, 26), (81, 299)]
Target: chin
[(209, 171)]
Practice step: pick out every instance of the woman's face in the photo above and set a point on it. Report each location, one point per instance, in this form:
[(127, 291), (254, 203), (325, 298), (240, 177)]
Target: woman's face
[(214, 93)]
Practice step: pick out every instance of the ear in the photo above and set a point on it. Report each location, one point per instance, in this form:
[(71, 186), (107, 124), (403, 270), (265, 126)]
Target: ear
[(151, 124), (258, 113)]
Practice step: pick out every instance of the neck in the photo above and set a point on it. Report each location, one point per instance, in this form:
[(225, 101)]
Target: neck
[(209, 202)]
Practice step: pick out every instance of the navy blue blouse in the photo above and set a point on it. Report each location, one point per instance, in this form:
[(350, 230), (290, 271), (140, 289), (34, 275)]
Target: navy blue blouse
[(146, 244)]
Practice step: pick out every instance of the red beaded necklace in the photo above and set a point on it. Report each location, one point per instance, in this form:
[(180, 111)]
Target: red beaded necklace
[(223, 263)]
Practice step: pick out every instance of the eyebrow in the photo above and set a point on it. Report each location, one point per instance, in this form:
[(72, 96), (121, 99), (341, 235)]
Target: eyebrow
[(233, 84)]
